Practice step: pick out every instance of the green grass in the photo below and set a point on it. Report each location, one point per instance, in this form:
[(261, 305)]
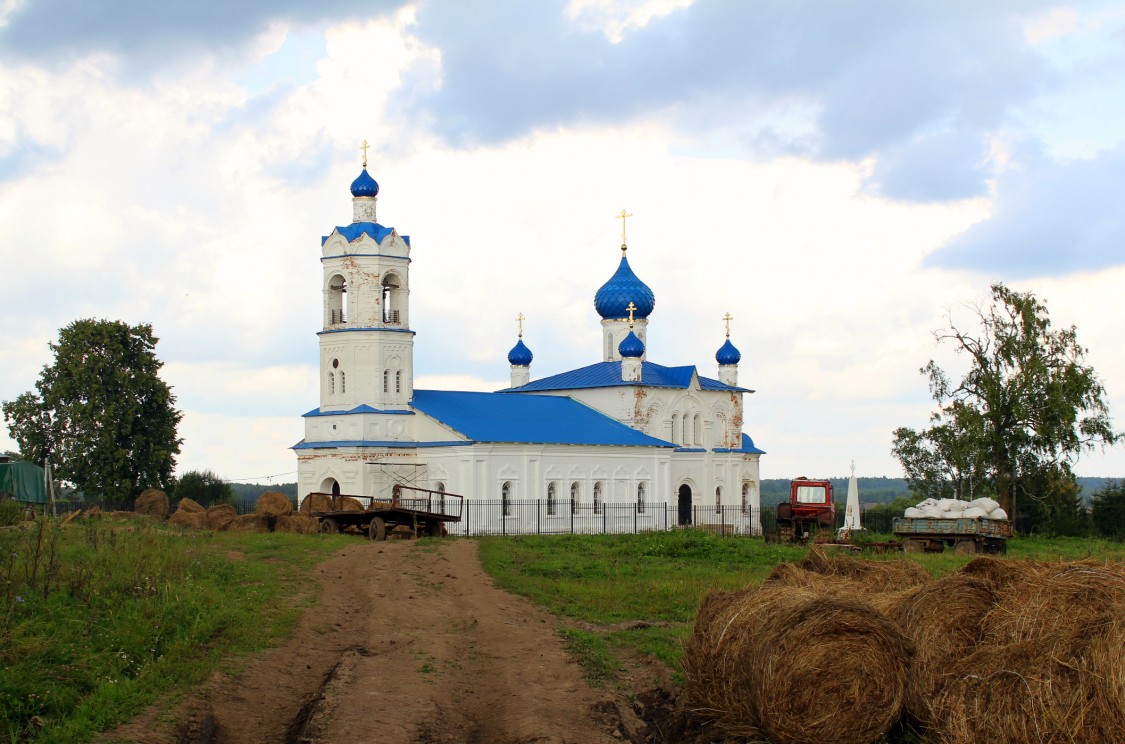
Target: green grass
[(660, 578), (100, 619)]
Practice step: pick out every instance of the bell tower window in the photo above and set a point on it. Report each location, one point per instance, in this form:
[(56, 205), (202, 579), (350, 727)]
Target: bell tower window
[(337, 300), (392, 314)]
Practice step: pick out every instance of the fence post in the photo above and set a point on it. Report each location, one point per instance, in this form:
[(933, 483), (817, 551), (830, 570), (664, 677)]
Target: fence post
[(538, 528)]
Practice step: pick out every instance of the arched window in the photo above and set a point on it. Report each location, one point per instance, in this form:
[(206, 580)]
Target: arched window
[(575, 492), (343, 384), (697, 431), (640, 498), (331, 383), (506, 498), (718, 499), (676, 428), (685, 437), (598, 498), (337, 300), (391, 314), (552, 499), (398, 380), (745, 498), (386, 381), (440, 488)]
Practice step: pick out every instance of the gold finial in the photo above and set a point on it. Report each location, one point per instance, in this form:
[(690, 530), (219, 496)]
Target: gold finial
[(364, 147), (631, 308), (519, 321), (727, 319), (622, 217)]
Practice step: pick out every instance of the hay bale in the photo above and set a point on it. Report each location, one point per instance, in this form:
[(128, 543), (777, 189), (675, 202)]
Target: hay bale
[(194, 520), (297, 524), (191, 506), (93, 511), (152, 503), (249, 523), (220, 516), (792, 666), (891, 573), (273, 504), (945, 620), (316, 502), (347, 503)]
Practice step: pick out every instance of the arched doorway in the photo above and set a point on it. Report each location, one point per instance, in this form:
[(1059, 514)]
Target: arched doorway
[(685, 505)]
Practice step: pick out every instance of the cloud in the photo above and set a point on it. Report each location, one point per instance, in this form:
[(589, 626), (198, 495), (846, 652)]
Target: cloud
[(1048, 218)]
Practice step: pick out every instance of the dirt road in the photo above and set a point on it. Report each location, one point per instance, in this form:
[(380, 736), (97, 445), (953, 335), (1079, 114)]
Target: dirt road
[(408, 642)]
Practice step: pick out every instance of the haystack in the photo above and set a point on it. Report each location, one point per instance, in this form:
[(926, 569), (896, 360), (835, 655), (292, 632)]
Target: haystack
[(882, 598), (348, 503), (191, 506), (945, 620), (316, 502), (891, 573), (792, 666), (194, 520), (273, 504), (249, 523), (220, 516), (298, 524), (152, 503)]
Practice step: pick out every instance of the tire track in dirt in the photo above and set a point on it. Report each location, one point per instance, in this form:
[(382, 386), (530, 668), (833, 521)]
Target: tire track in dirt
[(409, 643)]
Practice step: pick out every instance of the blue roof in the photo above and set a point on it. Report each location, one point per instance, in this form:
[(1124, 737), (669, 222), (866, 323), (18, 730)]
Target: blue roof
[(520, 355), (608, 374), (746, 448), (382, 444), (727, 354), (374, 229), (365, 185), (631, 346), (362, 408), (529, 419), (612, 300)]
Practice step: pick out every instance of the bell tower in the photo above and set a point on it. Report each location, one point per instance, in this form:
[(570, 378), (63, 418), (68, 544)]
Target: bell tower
[(366, 345)]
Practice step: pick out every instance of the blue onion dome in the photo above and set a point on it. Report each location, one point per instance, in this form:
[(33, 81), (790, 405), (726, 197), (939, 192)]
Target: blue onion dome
[(631, 347), (727, 354), (612, 300), (365, 185), (520, 355)]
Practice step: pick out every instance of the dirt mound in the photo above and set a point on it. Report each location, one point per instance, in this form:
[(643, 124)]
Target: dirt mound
[(220, 516), (273, 504), (316, 502), (152, 503), (755, 665), (194, 520), (191, 506)]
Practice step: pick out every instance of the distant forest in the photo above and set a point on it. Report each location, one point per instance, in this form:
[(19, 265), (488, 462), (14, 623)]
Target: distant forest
[(774, 490)]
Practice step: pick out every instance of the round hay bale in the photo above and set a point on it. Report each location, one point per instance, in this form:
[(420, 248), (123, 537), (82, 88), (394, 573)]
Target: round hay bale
[(297, 524), (194, 520), (789, 665), (191, 506), (348, 503), (890, 573), (220, 516), (945, 620), (316, 502), (249, 523), (273, 504), (152, 503)]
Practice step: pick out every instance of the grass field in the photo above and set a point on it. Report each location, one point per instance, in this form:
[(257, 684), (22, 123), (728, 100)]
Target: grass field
[(100, 619), (660, 577)]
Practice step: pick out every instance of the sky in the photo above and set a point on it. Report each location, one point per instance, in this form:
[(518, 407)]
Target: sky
[(842, 178)]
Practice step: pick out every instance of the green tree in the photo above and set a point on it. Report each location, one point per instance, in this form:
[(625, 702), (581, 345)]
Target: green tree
[(204, 487), (1107, 510), (945, 461), (1027, 403), (100, 412)]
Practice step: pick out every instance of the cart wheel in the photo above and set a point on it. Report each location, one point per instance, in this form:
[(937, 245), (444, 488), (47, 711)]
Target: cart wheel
[(328, 526), (377, 530), (965, 547), (912, 546)]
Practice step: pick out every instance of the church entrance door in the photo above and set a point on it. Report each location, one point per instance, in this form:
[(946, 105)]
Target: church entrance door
[(685, 505)]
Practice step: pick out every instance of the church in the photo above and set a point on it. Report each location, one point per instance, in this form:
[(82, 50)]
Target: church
[(623, 430)]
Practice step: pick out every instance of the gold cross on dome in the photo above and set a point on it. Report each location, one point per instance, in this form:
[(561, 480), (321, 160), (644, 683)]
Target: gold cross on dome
[(622, 217), (364, 147), (631, 308), (727, 319), (519, 321)]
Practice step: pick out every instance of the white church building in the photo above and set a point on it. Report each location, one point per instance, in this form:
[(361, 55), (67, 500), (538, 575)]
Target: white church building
[(623, 431)]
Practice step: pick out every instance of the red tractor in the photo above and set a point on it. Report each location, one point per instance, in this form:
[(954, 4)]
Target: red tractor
[(810, 510)]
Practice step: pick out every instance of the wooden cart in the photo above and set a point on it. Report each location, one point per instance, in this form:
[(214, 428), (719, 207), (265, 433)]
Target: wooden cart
[(967, 536), (417, 512)]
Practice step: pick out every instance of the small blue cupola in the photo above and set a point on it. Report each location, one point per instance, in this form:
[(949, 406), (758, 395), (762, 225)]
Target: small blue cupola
[(612, 300), (365, 185), (520, 355), (727, 354), (631, 347)]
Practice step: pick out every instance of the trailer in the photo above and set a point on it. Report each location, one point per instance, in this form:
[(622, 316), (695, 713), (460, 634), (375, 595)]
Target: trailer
[(419, 513), (965, 536)]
